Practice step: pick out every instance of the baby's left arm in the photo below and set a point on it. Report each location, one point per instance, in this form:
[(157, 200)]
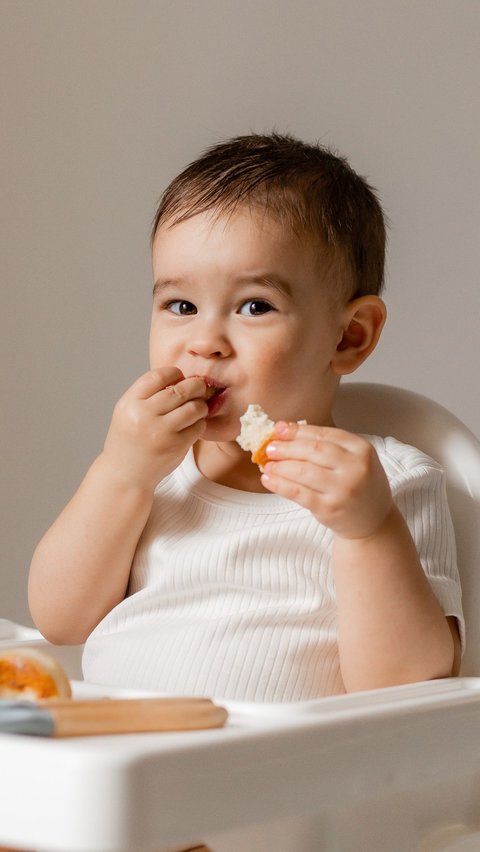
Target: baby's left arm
[(391, 628)]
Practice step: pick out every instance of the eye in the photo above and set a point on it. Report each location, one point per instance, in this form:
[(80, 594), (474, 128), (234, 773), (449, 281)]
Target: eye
[(182, 308), (255, 308)]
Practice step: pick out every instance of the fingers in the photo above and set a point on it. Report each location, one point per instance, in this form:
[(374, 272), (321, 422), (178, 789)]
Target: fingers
[(155, 380), (174, 396), (186, 415), (335, 474), (298, 491), (152, 411), (303, 461), (303, 431), (314, 459), (317, 451), (166, 388), (192, 433), (302, 451), (154, 423)]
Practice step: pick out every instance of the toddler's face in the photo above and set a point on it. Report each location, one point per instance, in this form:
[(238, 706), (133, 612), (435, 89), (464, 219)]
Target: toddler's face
[(241, 302)]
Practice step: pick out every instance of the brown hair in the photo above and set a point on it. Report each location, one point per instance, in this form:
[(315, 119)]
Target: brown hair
[(309, 188)]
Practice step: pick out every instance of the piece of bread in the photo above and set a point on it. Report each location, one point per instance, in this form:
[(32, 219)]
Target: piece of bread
[(30, 674), (255, 434)]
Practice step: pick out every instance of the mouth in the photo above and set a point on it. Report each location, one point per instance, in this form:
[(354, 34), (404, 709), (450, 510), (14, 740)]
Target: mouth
[(214, 394), (212, 391)]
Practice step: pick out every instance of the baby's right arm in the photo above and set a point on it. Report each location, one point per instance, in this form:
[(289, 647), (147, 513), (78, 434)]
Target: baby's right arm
[(81, 567)]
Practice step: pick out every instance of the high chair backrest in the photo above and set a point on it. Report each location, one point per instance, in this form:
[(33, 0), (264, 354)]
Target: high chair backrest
[(378, 409)]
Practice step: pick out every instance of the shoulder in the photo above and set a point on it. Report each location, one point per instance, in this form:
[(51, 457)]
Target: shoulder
[(404, 462)]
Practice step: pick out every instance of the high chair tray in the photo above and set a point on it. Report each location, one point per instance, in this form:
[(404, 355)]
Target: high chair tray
[(320, 760)]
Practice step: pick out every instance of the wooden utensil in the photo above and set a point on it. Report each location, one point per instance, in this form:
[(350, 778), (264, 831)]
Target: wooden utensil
[(74, 718)]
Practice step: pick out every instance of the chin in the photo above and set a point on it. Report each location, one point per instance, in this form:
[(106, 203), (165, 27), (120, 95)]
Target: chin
[(226, 433)]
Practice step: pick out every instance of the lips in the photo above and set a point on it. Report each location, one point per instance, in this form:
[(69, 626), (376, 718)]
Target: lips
[(214, 387), (212, 391), (215, 393)]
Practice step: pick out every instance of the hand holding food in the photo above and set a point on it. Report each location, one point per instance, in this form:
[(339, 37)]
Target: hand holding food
[(335, 474), (153, 425)]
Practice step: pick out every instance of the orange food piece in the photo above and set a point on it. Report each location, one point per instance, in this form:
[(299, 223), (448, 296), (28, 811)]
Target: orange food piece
[(259, 456), (21, 675), (30, 673)]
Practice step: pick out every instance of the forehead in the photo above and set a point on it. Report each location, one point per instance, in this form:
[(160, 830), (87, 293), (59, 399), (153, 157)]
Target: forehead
[(241, 236)]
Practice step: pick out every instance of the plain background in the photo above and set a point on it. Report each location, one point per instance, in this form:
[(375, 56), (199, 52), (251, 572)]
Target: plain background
[(103, 101)]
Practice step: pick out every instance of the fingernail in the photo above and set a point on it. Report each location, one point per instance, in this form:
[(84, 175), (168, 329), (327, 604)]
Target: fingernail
[(271, 449), (282, 427)]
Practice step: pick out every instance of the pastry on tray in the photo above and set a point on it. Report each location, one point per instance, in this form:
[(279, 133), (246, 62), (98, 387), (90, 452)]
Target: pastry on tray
[(31, 674)]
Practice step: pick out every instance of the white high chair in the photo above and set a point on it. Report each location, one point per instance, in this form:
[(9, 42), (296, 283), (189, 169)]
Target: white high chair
[(392, 770), (414, 419)]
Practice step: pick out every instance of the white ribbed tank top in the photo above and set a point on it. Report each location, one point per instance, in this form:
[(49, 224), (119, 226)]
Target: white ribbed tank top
[(232, 593)]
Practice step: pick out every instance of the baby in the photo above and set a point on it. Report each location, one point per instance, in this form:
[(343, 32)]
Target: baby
[(183, 567)]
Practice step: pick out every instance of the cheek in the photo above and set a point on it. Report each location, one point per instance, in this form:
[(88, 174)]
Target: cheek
[(291, 352), (275, 357), (164, 344), (158, 349), (278, 367), (296, 357)]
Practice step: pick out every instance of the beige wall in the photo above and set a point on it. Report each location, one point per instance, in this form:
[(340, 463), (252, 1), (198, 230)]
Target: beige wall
[(104, 101)]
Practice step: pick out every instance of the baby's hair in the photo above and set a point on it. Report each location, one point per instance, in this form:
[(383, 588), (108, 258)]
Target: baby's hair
[(308, 188)]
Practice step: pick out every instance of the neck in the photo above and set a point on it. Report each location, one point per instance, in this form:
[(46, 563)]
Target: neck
[(227, 464)]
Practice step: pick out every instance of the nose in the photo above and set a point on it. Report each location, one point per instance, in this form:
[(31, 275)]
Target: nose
[(209, 339)]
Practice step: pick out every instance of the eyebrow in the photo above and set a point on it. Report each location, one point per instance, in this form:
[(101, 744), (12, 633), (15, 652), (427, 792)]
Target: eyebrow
[(167, 284), (270, 281)]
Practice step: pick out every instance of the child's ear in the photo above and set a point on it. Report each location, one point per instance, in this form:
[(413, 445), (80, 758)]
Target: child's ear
[(363, 321)]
